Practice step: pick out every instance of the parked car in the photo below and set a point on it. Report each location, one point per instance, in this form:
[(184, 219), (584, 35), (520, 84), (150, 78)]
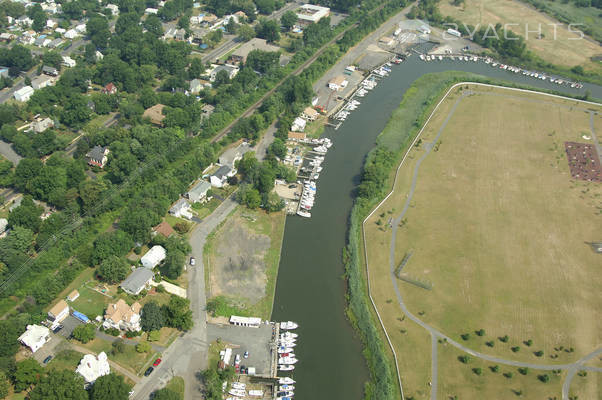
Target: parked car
[(157, 362), (57, 329), (192, 261), (246, 355), (149, 371), (47, 359)]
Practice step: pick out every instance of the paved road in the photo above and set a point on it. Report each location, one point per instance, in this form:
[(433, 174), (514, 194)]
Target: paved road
[(188, 354), (266, 140), (435, 334)]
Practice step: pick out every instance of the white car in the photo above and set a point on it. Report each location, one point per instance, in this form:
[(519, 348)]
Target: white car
[(192, 261)]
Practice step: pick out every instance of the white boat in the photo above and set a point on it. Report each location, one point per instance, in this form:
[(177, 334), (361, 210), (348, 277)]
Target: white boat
[(304, 214), (286, 381), (440, 58), (285, 388), (287, 360), (239, 385), (422, 57), (288, 325), (287, 367), (291, 335), (283, 350), (237, 392), (285, 394)]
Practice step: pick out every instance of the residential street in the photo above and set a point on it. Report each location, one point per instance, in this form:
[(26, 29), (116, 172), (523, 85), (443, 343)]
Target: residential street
[(187, 356)]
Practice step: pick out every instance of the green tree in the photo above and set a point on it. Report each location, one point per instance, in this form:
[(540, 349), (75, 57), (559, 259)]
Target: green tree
[(153, 24), (27, 215), (113, 269), (60, 385), (143, 347), (177, 313), (152, 318), (268, 29), (245, 32), (84, 333), (53, 58), (288, 19), (118, 346), (27, 373), (4, 385), (110, 387), (251, 198), (166, 394)]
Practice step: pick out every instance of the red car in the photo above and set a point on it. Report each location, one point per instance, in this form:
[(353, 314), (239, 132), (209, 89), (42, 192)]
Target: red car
[(157, 362)]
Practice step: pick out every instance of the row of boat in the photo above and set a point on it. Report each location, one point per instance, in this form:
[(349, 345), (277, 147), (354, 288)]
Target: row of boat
[(534, 74), (286, 359)]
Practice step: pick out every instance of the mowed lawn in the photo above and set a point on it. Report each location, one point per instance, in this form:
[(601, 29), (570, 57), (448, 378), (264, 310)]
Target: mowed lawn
[(498, 228), (567, 49)]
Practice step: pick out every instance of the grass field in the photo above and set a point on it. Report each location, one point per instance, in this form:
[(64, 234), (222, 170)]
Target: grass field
[(497, 227), (564, 51)]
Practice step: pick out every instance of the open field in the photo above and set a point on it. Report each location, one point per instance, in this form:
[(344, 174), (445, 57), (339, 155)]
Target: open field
[(567, 50), (242, 258), (496, 227)]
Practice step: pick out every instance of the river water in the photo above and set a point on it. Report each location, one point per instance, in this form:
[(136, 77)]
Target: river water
[(310, 289)]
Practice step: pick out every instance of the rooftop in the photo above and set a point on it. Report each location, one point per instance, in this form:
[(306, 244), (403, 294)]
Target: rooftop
[(136, 280)]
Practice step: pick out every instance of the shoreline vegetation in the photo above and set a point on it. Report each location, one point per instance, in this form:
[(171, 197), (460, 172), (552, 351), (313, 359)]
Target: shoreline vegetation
[(376, 181)]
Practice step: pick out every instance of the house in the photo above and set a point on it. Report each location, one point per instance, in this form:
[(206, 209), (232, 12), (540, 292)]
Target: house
[(164, 229), (180, 35), (24, 21), (231, 71), (155, 114), (240, 55), (40, 82), (6, 37), (98, 56), (80, 28), (137, 281), (24, 93), (181, 208), (230, 156), (210, 18), (220, 177), (73, 296), (92, 367), (151, 10), (3, 225), (298, 125), (337, 83), (310, 114), (41, 124), (109, 89), (68, 61), (296, 136), (114, 9), (98, 156), (41, 41), (120, 315), (71, 34), (59, 312), (309, 13), (26, 39), (50, 71), (51, 24), (153, 257), (35, 337), (195, 86), (55, 43), (60, 31), (207, 110), (240, 15), (170, 33), (198, 192)]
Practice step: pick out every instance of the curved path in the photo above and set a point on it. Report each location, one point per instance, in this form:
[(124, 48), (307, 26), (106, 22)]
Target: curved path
[(572, 368)]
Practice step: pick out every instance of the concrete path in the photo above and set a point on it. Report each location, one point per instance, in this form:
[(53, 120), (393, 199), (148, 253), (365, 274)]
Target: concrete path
[(187, 356), (436, 334)]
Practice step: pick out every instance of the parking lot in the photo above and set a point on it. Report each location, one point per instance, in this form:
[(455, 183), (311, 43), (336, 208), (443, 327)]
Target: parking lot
[(257, 341)]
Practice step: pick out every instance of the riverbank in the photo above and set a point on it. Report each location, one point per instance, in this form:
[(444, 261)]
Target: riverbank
[(394, 140)]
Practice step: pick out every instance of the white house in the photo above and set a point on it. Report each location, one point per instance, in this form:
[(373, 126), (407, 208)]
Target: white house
[(153, 257), (68, 61), (309, 114), (42, 81), (81, 28), (24, 93), (220, 177), (151, 10), (114, 9), (198, 192), (92, 368), (337, 83), (298, 125), (310, 13), (41, 124), (35, 337), (181, 208), (230, 156), (51, 24), (231, 71), (71, 34), (121, 316)]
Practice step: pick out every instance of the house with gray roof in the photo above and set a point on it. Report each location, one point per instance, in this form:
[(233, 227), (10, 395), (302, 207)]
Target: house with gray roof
[(230, 156), (198, 192), (181, 208), (220, 177), (137, 281)]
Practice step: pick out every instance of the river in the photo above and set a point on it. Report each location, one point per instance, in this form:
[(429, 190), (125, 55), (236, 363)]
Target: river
[(310, 289)]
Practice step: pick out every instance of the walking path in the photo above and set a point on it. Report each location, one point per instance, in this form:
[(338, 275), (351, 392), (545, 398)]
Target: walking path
[(436, 334)]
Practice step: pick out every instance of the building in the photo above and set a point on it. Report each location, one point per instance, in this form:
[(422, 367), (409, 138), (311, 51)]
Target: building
[(138, 281), (68, 62), (51, 24), (73, 295), (230, 156), (155, 114), (71, 34), (151, 10), (41, 124), (180, 35), (164, 229), (231, 71), (207, 110), (41, 41), (109, 89), (55, 43), (195, 86), (310, 13), (296, 136), (198, 192), (7, 37), (220, 177), (121, 316), (298, 125), (114, 8), (35, 337), (310, 114), (153, 257), (42, 81), (24, 21), (98, 156), (3, 225), (240, 55), (59, 312), (250, 322), (4, 72), (181, 208), (92, 367), (337, 83), (24, 93), (50, 71)]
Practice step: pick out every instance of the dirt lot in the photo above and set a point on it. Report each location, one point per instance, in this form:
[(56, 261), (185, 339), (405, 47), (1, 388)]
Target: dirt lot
[(498, 227)]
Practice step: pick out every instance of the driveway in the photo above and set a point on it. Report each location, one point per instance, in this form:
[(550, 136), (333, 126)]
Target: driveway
[(7, 151)]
